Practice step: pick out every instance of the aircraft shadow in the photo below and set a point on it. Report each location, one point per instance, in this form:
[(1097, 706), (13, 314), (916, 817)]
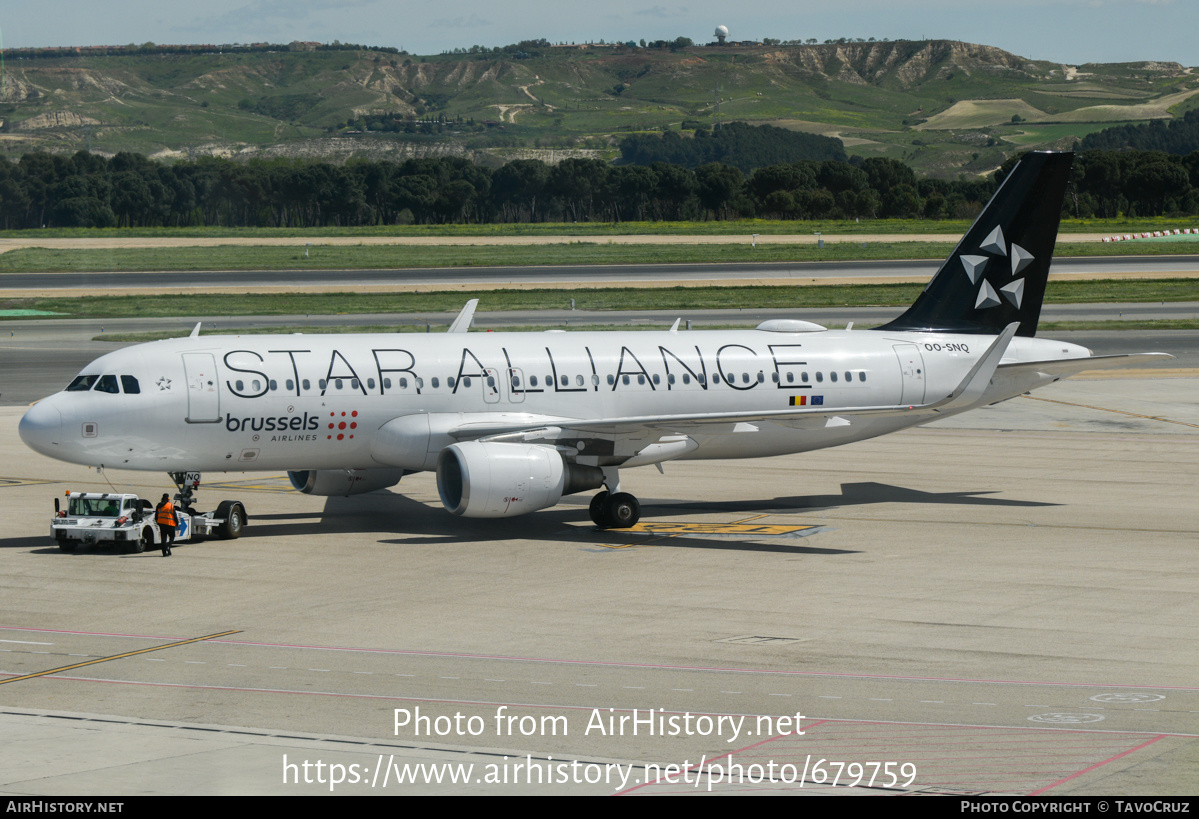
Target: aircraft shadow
[(420, 524), (853, 494), (386, 513)]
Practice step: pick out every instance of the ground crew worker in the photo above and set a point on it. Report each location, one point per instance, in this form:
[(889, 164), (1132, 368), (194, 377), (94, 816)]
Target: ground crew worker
[(164, 516)]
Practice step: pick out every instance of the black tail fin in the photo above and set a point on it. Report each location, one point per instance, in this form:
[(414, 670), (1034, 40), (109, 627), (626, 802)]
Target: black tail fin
[(997, 273)]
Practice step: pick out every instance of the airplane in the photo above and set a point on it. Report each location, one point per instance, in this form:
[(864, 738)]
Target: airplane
[(512, 422)]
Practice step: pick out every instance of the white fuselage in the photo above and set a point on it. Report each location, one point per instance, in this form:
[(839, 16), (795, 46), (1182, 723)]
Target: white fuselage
[(252, 403)]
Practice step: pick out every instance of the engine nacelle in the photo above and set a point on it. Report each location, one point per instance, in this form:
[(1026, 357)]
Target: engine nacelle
[(344, 481), (479, 479)]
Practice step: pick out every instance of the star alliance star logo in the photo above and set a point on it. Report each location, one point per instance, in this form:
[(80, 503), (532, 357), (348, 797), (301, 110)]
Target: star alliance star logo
[(164, 383), (974, 266)]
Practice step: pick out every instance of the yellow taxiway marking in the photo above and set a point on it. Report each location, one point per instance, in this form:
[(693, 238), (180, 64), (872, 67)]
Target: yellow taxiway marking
[(664, 530), (748, 529), (61, 669), (1108, 409), (22, 482)]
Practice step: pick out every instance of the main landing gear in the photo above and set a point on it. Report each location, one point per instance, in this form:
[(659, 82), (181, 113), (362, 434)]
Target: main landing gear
[(614, 509)]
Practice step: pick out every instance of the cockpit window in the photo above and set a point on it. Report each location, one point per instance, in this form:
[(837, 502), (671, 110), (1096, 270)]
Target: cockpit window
[(107, 383), (82, 383), (129, 385)]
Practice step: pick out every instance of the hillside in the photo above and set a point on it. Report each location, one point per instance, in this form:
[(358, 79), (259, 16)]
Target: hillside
[(943, 107)]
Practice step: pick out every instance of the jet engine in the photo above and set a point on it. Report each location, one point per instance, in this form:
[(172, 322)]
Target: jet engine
[(344, 481), (478, 479)]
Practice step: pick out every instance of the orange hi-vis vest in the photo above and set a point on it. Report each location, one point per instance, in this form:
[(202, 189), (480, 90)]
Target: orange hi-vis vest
[(166, 515)]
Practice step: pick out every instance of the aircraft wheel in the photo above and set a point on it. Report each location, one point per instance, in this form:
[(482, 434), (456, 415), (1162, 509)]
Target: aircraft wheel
[(235, 519), (596, 510), (622, 511)]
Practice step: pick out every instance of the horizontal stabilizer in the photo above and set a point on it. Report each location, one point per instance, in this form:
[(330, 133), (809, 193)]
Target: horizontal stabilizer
[(1072, 366)]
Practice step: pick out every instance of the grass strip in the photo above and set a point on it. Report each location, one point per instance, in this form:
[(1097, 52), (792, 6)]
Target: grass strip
[(1100, 291), (745, 227), (387, 257)]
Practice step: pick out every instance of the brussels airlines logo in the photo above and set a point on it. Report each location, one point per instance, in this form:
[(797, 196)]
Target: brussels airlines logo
[(296, 423)]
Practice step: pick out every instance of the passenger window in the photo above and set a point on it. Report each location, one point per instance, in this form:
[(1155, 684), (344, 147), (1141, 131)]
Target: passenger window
[(108, 383), (849, 376), (670, 378), (307, 384), (434, 382), (819, 378), (532, 381), (656, 379), (641, 380), (578, 380), (257, 385), (686, 378), (833, 377), (241, 385), (449, 382), (862, 376), (337, 383), (130, 386), (625, 379), (82, 383), (321, 383), (354, 383), (273, 384), (565, 380), (611, 380), (291, 385)]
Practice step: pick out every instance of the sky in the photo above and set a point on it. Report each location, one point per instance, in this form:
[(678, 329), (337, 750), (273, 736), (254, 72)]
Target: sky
[(1067, 31)]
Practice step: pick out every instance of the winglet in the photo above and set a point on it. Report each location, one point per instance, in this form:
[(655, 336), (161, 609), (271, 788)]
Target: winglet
[(968, 393), (465, 317), (195, 330)]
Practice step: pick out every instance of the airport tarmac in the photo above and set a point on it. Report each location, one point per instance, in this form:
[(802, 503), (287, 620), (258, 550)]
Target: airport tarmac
[(997, 603)]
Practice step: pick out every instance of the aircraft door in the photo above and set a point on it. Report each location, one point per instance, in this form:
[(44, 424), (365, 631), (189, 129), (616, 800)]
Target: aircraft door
[(203, 392), (491, 385), (911, 368), (516, 392)]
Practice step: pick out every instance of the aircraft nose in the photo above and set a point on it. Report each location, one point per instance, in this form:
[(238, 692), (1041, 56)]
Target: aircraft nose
[(41, 428)]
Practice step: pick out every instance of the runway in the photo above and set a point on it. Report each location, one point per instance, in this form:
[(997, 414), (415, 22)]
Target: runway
[(562, 275), (997, 603)]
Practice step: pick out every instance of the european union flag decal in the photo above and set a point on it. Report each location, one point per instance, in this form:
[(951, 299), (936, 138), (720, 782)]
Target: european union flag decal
[(817, 400)]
